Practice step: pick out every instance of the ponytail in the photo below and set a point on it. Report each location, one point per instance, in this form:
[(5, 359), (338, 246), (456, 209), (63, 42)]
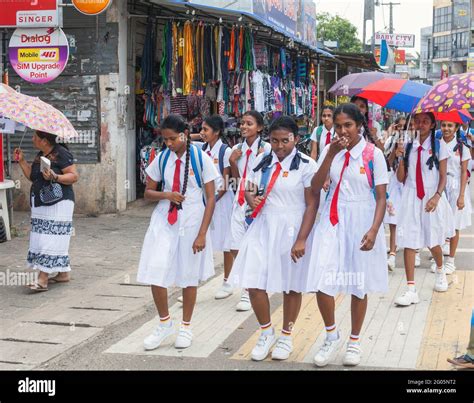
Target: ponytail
[(186, 166), (433, 160)]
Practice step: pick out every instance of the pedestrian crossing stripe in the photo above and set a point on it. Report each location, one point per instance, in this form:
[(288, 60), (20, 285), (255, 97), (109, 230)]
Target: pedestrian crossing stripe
[(420, 336)]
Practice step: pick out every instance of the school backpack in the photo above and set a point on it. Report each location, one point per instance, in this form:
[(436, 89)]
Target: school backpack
[(368, 161), (196, 163), (222, 150)]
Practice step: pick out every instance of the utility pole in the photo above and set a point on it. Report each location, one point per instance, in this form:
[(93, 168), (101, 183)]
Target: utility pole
[(390, 4)]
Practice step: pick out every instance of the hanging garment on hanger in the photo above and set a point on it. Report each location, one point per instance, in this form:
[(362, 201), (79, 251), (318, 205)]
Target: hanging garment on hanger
[(188, 60), (148, 57), (179, 69), (164, 56), (231, 64), (174, 57), (219, 52)]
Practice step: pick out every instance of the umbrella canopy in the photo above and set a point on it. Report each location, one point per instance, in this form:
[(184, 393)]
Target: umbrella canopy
[(462, 116), (34, 113), (401, 95), (452, 93), (352, 84)]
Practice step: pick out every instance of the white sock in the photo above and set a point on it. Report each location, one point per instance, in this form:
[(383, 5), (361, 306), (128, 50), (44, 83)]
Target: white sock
[(411, 286), (439, 269), (450, 259), (267, 329), (332, 333)]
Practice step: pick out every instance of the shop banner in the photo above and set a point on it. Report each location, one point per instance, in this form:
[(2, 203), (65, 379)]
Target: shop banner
[(297, 18), (400, 40), (38, 55), (91, 7), (29, 14), (400, 56)]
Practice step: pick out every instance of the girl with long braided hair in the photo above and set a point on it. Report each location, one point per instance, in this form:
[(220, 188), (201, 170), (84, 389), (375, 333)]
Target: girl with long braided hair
[(177, 250), (456, 186), (426, 219), (371, 134)]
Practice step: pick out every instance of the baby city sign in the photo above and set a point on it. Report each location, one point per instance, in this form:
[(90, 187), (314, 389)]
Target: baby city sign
[(39, 55), (400, 40)]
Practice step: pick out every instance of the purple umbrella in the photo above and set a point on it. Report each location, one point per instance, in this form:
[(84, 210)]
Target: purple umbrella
[(352, 84)]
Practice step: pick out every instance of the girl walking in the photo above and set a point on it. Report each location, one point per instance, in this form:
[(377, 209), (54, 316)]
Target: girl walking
[(426, 219), (273, 255), (459, 156), (177, 249), (349, 250), (323, 134), (212, 130), (241, 163)]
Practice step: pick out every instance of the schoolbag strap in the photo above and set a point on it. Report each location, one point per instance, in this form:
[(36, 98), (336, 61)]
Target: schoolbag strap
[(222, 151), (196, 163), (319, 132), (368, 160), (162, 161), (264, 163), (297, 159)]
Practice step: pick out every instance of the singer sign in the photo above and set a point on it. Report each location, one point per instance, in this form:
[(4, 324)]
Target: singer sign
[(29, 14)]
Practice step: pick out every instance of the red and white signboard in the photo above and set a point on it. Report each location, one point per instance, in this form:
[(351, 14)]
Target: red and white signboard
[(29, 14), (38, 55), (399, 40)]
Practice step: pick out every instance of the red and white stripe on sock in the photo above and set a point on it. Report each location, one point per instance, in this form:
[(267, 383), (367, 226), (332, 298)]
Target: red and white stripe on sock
[(354, 338), (331, 332), (185, 324), (286, 333), (411, 285), (266, 328), (165, 320)]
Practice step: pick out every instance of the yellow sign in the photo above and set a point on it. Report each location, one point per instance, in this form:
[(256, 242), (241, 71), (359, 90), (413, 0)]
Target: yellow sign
[(38, 55), (91, 7)]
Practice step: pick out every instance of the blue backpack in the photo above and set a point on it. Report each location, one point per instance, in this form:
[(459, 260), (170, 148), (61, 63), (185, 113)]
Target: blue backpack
[(196, 163), (222, 150)]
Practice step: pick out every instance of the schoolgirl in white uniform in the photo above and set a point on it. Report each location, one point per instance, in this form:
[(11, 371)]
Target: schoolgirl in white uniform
[(323, 134), (273, 255), (426, 219), (241, 163), (349, 249), (212, 129), (177, 249), (457, 187)]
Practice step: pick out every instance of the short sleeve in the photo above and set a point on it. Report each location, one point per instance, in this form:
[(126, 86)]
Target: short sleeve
[(227, 154), (309, 170), (209, 171), (380, 168), (65, 158), (153, 170), (314, 135), (466, 153), (443, 151)]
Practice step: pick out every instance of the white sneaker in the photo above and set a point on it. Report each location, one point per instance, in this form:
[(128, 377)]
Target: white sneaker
[(225, 291), (353, 353), (283, 348), (327, 351), (185, 337), (244, 303), (417, 259), (446, 249), (264, 344), (408, 298), (433, 267), (449, 268), (391, 263), (441, 282), (158, 336)]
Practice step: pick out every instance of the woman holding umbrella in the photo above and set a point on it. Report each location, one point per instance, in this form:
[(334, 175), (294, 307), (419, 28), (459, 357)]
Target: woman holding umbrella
[(52, 206)]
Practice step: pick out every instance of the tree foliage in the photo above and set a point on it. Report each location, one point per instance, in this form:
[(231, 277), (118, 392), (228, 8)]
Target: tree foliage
[(335, 28)]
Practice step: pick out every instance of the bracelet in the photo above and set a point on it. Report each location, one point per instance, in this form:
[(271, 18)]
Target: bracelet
[(439, 194)]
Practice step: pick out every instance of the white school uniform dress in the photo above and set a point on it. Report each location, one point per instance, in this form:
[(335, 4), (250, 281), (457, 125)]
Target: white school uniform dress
[(264, 259), (462, 218), (416, 228), (220, 233), (337, 263), (394, 188), (238, 225), (167, 257), (321, 145)]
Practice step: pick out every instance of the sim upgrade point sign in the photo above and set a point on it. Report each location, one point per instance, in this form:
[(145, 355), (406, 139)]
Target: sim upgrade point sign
[(29, 13), (38, 55)]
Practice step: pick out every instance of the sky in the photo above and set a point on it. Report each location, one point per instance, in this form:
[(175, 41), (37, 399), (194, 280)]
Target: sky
[(408, 18)]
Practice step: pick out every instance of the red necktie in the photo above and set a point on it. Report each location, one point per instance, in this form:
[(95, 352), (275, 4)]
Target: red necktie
[(173, 212), (328, 137), (333, 217), (269, 189), (420, 189), (209, 153), (241, 198)]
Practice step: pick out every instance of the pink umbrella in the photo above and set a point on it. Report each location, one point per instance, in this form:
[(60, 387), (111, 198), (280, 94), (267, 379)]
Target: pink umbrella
[(34, 113)]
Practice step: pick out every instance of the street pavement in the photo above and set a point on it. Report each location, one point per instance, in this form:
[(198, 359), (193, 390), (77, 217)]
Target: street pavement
[(99, 319)]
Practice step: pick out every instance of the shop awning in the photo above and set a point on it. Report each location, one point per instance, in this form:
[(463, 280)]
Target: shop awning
[(268, 32), (364, 61)]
